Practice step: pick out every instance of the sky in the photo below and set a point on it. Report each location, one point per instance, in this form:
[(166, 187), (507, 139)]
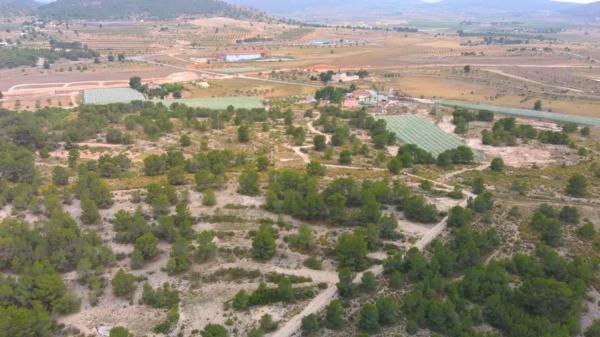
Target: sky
[(576, 1)]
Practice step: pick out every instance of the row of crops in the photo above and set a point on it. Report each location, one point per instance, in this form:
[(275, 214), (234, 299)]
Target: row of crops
[(126, 95), (414, 129), (543, 115), (219, 103), (111, 95)]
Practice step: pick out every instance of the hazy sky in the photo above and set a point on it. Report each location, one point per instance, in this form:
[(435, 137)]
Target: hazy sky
[(577, 1)]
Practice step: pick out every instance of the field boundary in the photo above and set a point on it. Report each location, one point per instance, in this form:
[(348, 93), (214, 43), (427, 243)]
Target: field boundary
[(526, 113)]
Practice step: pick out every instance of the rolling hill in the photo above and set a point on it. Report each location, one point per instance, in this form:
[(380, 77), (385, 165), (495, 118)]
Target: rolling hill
[(17, 6), (507, 6), (330, 10), (156, 9), (320, 8), (589, 11)]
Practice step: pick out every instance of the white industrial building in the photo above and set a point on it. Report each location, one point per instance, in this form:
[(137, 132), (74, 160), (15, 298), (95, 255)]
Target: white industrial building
[(240, 56)]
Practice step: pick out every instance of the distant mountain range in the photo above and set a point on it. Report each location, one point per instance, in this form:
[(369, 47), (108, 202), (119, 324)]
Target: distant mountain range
[(11, 7), (336, 9), (306, 10), (157, 9), (508, 6), (339, 8), (590, 11)]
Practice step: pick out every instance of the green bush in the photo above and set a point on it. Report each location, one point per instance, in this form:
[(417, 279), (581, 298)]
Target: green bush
[(123, 284)]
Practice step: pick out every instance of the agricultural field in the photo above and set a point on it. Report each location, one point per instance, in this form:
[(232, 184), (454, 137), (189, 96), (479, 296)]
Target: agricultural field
[(414, 129), (533, 114), (218, 103), (107, 96)]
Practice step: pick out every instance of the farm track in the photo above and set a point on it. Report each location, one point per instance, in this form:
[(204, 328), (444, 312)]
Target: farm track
[(292, 327), (524, 79)]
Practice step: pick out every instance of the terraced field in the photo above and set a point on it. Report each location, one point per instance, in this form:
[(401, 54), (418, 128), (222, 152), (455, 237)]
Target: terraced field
[(543, 115), (414, 129)]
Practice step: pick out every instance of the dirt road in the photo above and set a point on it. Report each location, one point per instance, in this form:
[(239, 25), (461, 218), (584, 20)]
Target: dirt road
[(524, 79), (292, 327)]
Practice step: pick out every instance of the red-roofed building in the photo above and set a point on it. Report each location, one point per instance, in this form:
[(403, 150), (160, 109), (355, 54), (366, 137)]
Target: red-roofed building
[(350, 103)]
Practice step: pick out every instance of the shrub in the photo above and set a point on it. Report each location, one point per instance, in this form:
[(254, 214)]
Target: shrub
[(459, 217), (263, 245), (577, 186), (369, 318), (319, 143), (243, 134), (388, 310), (310, 325), (147, 245), (164, 297), (208, 197), (497, 165), (345, 158), (569, 215), (60, 176), (315, 168), (586, 231), (123, 284), (267, 324), (119, 331), (240, 300), (249, 182), (154, 165), (176, 175), (368, 282), (333, 315)]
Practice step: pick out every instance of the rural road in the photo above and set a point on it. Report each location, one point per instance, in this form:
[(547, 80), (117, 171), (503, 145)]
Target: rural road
[(221, 75), (524, 79)]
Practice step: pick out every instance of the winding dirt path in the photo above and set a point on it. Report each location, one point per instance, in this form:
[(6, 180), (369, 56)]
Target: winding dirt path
[(317, 304), (528, 80)]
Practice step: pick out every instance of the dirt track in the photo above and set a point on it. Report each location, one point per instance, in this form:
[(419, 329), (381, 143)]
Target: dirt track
[(292, 327)]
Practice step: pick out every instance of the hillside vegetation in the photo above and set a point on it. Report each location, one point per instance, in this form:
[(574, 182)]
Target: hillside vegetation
[(113, 9)]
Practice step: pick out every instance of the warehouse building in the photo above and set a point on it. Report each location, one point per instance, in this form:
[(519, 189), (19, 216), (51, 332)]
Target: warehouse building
[(240, 56)]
